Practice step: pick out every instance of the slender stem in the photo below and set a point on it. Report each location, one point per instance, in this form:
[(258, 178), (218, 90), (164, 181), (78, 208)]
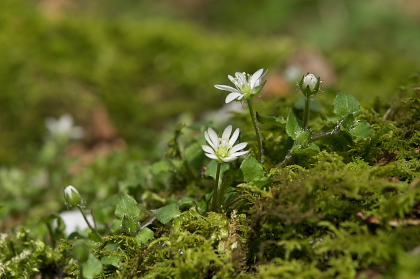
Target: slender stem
[(287, 159), (86, 220), (306, 112), (257, 131), (215, 201)]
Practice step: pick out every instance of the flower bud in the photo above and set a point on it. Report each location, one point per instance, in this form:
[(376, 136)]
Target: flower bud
[(309, 84), (72, 196)]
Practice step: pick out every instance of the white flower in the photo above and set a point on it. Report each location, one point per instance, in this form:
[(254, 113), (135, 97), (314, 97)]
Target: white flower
[(246, 85), (63, 126), (310, 80), (223, 149)]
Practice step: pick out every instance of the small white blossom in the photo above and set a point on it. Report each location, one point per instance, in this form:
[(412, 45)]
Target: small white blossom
[(246, 85), (63, 127), (223, 149), (310, 80)]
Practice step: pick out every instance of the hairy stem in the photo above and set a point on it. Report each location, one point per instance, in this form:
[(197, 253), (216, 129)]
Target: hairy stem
[(257, 131), (215, 202), (86, 220), (306, 112)]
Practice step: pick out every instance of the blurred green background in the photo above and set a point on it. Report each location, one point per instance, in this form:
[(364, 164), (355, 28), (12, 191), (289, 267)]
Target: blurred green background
[(126, 69)]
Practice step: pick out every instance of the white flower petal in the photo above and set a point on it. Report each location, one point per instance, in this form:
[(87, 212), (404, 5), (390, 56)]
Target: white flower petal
[(232, 96), (234, 137), (229, 159), (237, 154), (238, 147), (227, 132), (226, 88), (209, 141), (212, 156), (231, 78), (213, 137), (207, 149), (255, 77)]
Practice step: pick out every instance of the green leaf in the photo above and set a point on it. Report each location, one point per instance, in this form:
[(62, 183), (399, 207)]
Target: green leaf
[(113, 260), (167, 213), (212, 169), (187, 202), (80, 251), (251, 169), (128, 206), (311, 149), (160, 166), (361, 129), (129, 225), (144, 236), (277, 121), (345, 104), (293, 126), (95, 236), (92, 267), (348, 122), (304, 138)]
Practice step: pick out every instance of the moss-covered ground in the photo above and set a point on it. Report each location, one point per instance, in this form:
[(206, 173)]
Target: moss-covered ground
[(139, 76)]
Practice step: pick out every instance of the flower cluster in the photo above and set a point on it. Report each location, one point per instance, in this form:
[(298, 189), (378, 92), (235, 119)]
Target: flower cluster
[(223, 149)]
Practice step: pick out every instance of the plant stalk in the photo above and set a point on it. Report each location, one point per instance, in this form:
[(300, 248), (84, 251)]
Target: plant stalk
[(215, 202), (86, 220), (257, 131), (306, 111)]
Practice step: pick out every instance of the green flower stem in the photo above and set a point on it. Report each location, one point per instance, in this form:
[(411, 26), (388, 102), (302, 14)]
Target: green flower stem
[(306, 112), (257, 131), (215, 203), (86, 220)]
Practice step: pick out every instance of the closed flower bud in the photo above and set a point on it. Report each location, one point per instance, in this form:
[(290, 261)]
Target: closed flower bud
[(72, 196), (309, 84)]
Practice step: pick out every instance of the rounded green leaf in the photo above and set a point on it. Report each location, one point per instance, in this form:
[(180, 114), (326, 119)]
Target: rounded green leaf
[(144, 236), (129, 225), (167, 213), (80, 251), (252, 170), (127, 206), (361, 129), (92, 267), (293, 126), (345, 104)]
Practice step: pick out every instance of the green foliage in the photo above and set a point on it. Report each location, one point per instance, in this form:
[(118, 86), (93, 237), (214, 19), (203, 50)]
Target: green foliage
[(127, 206), (22, 256), (167, 213), (348, 211), (345, 104)]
